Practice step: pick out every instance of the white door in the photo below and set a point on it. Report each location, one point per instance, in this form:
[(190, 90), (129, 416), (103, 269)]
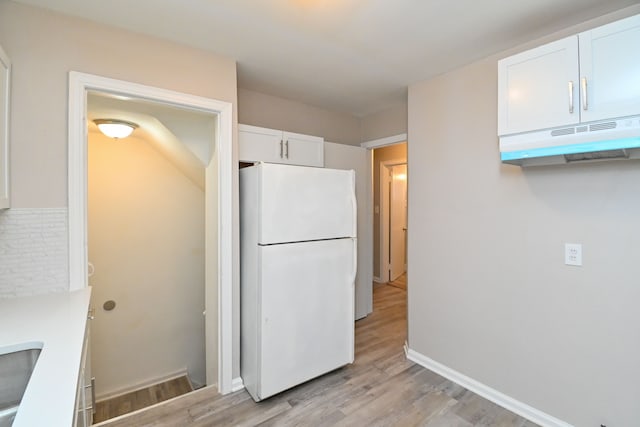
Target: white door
[(538, 89), (303, 203), (397, 221), (315, 333), (610, 70)]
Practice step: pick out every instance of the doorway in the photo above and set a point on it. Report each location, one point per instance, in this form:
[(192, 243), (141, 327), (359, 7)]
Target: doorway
[(390, 212), (395, 221), (146, 248), (219, 248)]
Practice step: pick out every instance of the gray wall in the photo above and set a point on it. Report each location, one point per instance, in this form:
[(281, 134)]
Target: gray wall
[(390, 122), (269, 111), (489, 294)]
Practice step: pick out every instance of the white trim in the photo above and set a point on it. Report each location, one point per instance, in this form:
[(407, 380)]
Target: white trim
[(5, 143), (142, 384), (237, 384), (383, 142), (384, 220), (501, 399), (79, 84), (378, 280)]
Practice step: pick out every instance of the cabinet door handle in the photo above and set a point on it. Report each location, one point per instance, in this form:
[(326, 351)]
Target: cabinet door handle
[(286, 146), (281, 149), (570, 96), (585, 101)]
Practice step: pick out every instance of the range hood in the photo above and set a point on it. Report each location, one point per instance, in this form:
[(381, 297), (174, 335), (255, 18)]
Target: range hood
[(602, 140)]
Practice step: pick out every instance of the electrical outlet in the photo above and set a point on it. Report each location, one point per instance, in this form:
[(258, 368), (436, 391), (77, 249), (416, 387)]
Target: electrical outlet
[(573, 254)]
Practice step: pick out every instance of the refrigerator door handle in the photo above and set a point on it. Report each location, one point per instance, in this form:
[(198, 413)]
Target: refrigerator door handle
[(354, 270), (354, 203)]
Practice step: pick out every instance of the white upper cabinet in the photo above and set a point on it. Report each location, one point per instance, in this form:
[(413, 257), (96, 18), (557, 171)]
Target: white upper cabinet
[(610, 70), (537, 89), (275, 146), (594, 75)]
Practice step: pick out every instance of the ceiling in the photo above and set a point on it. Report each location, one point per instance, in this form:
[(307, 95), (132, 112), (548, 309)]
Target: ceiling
[(354, 56)]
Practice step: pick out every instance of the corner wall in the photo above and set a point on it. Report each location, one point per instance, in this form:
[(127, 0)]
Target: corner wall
[(490, 296)]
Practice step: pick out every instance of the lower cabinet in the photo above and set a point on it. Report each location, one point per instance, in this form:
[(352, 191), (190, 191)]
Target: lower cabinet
[(85, 393)]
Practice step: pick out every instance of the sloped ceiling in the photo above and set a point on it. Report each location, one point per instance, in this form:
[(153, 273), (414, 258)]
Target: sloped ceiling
[(355, 56), (184, 137)]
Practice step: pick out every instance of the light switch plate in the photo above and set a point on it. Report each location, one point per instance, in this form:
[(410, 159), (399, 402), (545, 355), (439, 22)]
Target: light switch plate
[(573, 254)]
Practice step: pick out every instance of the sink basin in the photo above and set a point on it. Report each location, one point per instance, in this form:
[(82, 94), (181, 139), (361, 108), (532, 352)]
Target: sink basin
[(16, 367)]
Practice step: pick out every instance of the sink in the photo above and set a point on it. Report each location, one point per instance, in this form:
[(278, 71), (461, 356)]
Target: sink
[(16, 366)]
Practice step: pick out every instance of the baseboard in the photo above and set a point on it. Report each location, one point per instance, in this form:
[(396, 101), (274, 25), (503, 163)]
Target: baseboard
[(237, 384), (532, 414), (378, 280), (140, 385)]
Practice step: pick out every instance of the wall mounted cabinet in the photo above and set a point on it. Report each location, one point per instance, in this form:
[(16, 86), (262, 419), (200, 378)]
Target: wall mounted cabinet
[(5, 84), (276, 146), (591, 76)]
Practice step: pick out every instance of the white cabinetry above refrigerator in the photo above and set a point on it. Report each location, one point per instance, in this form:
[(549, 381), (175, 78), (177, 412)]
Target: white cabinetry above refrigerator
[(257, 144)]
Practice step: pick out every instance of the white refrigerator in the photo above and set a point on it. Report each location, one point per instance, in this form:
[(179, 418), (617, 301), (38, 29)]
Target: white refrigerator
[(298, 255)]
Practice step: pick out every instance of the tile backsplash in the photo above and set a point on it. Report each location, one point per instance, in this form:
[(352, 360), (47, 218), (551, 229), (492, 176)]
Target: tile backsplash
[(33, 251)]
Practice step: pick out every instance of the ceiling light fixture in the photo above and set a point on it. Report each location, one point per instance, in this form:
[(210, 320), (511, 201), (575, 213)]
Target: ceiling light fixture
[(114, 128)]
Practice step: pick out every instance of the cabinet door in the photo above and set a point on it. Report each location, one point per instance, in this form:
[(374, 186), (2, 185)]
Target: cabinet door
[(260, 144), (610, 70), (303, 150), (538, 89)]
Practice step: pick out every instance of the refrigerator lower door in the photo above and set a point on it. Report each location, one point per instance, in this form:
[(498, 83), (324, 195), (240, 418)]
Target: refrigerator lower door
[(307, 311)]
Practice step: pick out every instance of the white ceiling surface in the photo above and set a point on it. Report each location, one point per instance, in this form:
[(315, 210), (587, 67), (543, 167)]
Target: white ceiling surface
[(355, 56)]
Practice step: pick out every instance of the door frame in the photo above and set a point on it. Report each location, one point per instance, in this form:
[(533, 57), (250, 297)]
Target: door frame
[(79, 85), (385, 205)]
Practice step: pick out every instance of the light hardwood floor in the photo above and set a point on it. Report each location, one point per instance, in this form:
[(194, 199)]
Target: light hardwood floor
[(140, 399), (381, 388)]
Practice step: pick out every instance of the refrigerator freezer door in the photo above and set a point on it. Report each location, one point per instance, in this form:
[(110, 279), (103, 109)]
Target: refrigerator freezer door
[(303, 203), (307, 295)]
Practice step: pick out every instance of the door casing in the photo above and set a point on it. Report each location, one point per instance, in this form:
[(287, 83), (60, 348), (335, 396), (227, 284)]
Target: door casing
[(222, 166)]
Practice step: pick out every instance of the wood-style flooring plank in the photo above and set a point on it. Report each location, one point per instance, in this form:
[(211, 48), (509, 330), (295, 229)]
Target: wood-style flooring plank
[(381, 388)]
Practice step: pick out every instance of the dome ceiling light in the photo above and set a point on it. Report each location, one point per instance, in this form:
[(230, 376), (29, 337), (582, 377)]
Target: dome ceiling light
[(114, 128)]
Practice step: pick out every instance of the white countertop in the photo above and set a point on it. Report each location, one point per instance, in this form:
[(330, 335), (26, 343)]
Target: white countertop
[(55, 322)]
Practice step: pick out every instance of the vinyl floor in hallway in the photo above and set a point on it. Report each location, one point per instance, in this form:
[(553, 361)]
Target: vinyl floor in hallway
[(382, 388)]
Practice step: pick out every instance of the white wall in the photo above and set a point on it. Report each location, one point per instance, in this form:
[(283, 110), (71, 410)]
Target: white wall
[(146, 241), (490, 296)]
